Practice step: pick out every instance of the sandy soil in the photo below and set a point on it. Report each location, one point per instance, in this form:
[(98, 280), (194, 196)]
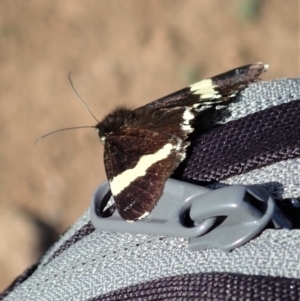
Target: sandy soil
[(120, 52)]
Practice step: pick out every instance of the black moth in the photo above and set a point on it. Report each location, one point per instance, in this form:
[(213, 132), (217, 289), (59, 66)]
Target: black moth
[(143, 147)]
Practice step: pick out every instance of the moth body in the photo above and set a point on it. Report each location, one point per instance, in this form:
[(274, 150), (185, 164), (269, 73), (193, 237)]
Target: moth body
[(143, 146)]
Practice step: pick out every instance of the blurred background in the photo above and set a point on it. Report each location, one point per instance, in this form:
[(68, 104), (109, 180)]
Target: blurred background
[(120, 52)]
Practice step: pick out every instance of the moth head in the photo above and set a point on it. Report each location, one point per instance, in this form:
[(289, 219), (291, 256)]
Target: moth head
[(115, 121), (101, 134)]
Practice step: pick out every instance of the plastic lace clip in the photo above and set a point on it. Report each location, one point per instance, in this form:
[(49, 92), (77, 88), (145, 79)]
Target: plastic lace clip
[(225, 218)]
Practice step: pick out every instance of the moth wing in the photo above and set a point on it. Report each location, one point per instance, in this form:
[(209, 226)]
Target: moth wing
[(138, 162), (174, 113), (213, 90)]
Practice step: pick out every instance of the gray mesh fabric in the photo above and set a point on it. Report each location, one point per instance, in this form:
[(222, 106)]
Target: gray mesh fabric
[(281, 179), (102, 262), (209, 286), (263, 95)]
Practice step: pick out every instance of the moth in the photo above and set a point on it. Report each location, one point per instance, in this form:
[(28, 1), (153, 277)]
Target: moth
[(144, 146)]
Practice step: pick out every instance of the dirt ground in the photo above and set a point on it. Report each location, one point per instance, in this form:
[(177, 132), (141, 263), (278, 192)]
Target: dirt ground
[(119, 52)]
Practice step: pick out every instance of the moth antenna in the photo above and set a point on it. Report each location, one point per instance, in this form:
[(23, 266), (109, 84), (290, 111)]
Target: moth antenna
[(60, 130), (81, 100)]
